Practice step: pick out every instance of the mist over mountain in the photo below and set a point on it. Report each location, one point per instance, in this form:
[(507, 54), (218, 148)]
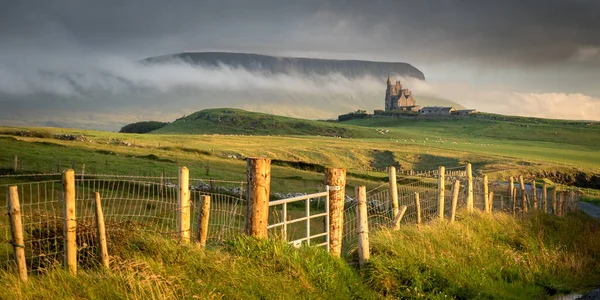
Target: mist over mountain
[(290, 65), (110, 92)]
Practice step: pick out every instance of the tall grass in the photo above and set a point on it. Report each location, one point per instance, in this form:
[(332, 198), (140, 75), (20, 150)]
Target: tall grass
[(479, 256), (483, 256), (244, 268)]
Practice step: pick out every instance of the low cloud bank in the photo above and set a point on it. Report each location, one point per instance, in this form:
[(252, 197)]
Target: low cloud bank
[(107, 92)]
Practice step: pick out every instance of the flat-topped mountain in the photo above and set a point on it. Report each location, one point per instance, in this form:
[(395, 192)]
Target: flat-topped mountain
[(287, 65)]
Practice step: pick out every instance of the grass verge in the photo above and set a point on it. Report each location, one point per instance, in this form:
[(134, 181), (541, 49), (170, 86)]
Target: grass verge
[(155, 268), (479, 256), (491, 257)]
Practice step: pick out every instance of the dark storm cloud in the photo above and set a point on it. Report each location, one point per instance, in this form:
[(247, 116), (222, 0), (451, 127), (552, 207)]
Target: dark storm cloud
[(73, 61), (511, 32)]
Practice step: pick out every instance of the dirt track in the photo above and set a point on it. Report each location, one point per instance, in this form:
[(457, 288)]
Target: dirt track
[(590, 209)]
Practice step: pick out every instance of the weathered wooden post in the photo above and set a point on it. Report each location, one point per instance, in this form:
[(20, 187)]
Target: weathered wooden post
[(441, 191), (534, 194), (469, 188), (101, 230), (514, 201), (162, 182), (455, 188), (545, 196), (571, 201), (258, 175), (511, 185), (418, 208), (491, 199), (335, 179), (486, 195), (561, 204), (16, 163), (16, 230), (203, 217), (70, 222), (183, 200), (362, 226), (82, 172), (393, 191), (399, 217), (554, 201), (523, 196)]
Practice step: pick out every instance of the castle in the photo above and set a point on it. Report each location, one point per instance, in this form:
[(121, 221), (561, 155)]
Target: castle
[(397, 98)]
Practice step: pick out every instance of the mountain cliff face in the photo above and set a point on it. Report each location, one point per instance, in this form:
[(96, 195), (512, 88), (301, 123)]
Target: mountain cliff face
[(287, 65)]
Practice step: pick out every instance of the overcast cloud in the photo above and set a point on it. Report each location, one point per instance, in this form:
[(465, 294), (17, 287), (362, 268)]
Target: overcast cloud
[(537, 50)]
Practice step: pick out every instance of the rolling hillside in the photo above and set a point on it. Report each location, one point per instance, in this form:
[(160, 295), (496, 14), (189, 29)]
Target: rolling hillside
[(237, 121)]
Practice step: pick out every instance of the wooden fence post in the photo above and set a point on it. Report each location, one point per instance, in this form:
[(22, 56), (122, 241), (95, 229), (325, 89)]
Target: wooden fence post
[(455, 188), (82, 172), (511, 185), (534, 194), (399, 217), (101, 230), (16, 229), (441, 191), (16, 163), (486, 195), (491, 199), (183, 200), (514, 201), (393, 191), (362, 226), (561, 200), (545, 196), (335, 179), (571, 201), (203, 217), (162, 182), (554, 201), (418, 208), (70, 221), (258, 175), (469, 188), (523, 196)]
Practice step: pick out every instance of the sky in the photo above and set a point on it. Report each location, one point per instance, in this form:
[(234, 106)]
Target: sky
[(536, 57)]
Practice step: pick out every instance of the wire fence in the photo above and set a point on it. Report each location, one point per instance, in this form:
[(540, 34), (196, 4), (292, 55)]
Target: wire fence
[(146, 204), (150, 204)]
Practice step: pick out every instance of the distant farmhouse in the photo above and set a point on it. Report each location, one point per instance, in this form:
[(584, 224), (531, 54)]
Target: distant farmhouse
[(399, 100)]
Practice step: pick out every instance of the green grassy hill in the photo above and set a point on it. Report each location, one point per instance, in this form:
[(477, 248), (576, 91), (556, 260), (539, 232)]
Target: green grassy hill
[(212, 143), (237, 121)]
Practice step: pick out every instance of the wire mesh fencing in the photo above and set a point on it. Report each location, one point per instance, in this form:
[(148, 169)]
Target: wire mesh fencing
[(130, 205)]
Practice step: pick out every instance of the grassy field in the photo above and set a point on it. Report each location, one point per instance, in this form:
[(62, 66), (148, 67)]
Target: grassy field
[(497, 147)]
